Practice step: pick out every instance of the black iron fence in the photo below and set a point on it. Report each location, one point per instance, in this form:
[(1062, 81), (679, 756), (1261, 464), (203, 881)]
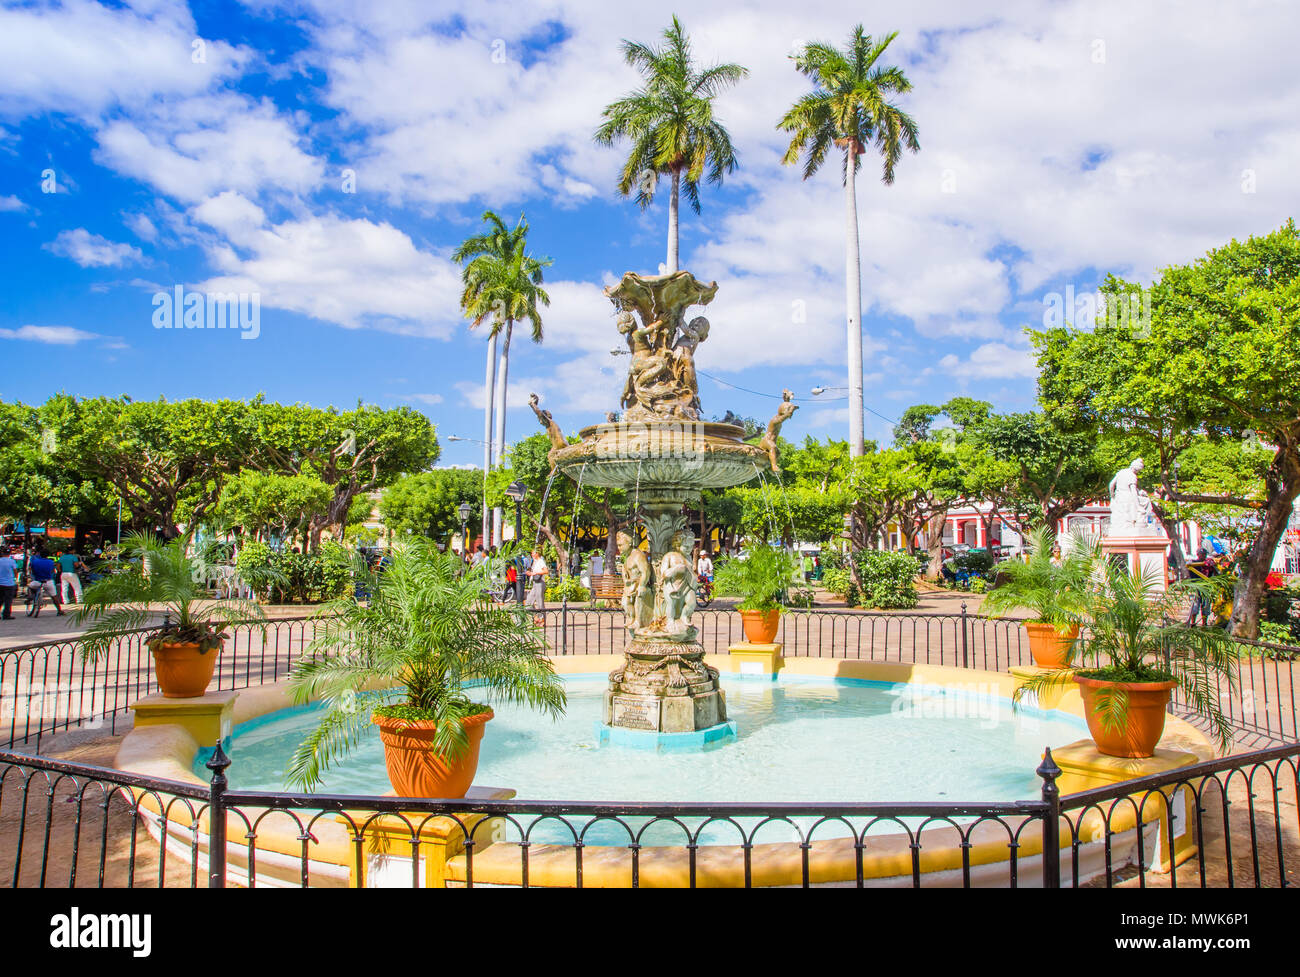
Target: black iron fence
[(1229, 822), (50, 688)]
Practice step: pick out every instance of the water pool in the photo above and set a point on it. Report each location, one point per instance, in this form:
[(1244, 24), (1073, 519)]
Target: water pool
[(802, 739)]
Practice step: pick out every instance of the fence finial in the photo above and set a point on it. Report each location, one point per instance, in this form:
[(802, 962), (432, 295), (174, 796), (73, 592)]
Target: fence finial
[(218, 763), (1049, 771)]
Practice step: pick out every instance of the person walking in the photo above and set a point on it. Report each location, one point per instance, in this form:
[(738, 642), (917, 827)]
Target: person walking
[(69, 579), (1203, 568), (8, 584), (537, 573)]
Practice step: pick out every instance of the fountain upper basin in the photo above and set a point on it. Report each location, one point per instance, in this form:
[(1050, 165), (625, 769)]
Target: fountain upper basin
[(664, 458)]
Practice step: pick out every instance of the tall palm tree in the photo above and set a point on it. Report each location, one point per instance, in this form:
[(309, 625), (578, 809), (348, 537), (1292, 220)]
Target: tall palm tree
[(502, 283), (670, 124), (849, 108)]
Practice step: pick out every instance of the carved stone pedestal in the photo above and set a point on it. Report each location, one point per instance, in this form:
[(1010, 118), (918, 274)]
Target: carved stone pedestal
[(1143, 554), (664, 686)]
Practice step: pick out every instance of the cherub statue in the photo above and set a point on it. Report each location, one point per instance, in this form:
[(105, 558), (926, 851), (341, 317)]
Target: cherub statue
[(679, 585), (645, 386), (625, 321), (768, 441), (558, 440), (693, 333), (638, 584)]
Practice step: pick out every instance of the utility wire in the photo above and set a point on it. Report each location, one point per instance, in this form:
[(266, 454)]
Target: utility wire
[(805, 400)]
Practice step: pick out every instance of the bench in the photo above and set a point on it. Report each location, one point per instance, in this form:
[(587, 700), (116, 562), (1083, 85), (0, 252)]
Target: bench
[(607, 586)]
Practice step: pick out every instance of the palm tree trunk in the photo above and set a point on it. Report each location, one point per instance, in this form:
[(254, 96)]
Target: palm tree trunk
[(503, 379), (853, 300), (672, 223), (489, 392)]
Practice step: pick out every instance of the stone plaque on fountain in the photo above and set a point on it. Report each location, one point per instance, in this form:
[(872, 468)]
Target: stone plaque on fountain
[(663, 453)]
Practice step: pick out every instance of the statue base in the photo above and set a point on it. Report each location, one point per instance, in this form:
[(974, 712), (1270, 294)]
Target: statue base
[(645, 739), (1143, 554), (665, 687)]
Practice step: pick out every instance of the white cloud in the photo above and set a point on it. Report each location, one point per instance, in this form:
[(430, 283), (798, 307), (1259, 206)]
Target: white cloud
[(141, 226), (427, 399), (86, 58), (991, 361), (11, 204), (353, 273), (52, 335), (204, 145), (92, 250)]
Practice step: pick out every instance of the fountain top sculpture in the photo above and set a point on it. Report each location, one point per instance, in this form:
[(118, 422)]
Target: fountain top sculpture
[(661, 383)]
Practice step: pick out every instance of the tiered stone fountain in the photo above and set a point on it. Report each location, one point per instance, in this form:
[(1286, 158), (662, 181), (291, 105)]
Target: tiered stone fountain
[(663, 453)]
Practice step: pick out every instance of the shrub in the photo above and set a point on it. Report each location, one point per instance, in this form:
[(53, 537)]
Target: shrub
[(836, 580), (978, 585), (570, 588), (295, 577), (977, 563), (802, 597), (888, 578)]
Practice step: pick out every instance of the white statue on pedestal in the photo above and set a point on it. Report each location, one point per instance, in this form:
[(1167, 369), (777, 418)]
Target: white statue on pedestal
[(1130, 506)]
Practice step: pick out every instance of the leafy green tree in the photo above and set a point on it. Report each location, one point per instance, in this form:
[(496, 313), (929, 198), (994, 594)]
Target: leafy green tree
[(159, 456), (850, 108), (428, 503), (285, 505), (1219, 359), (41, 485), (1060, 469), (355, 452), (670, 124)]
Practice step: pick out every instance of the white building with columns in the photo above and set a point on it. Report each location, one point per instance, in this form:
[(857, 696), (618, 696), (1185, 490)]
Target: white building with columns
[(966, 525)]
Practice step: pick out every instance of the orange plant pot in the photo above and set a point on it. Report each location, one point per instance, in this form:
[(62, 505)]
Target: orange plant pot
[(1050, 648), (415, 770), (1144, 722), (761, 626), (183, 671)]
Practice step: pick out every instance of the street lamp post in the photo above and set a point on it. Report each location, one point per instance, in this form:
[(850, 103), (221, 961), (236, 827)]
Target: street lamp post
[(487, 469), (518, 491), (463, 511)]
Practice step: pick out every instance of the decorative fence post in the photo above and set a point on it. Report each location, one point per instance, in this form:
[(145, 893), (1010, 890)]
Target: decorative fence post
[(964, 656), (217, 819), (1049, 771), (564, 623)]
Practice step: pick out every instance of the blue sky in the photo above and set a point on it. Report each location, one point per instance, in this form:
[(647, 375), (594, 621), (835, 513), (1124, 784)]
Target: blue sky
[(208, 145)]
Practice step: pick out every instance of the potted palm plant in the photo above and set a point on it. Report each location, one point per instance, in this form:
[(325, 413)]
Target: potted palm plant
[(420, 657), (1133, 660), (159, 577), (1054, 591), (761, 581)]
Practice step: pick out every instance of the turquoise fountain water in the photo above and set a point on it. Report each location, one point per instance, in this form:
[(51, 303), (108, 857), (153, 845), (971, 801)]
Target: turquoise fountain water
[(799, 739)]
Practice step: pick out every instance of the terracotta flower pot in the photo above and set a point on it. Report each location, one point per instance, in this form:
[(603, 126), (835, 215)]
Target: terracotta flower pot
[(1144, 722), (183, 671), (761, 626), (1048, 646), (415, 770)]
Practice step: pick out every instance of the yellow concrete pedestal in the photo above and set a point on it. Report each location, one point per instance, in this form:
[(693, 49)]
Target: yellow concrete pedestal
[(763, 661), (1050, 697), (391, 841), (1084, 767), (207, 717)]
